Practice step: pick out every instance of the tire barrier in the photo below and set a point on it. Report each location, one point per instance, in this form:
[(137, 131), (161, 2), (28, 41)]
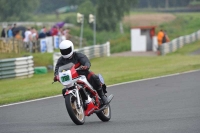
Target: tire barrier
[(179, 42), (90, 52), (16, 67)]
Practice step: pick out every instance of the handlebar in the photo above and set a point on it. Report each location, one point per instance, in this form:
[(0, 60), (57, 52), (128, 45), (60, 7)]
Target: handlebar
[(79, 68), (82, 68)]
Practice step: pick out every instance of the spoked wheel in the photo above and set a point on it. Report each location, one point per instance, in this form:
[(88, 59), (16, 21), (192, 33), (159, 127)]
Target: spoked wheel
[(105, 115), (76, 114)]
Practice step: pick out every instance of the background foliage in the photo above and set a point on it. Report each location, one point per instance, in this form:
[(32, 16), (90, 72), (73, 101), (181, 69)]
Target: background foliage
[(40, 85), (108, 15), (17, 10), (43, 10)]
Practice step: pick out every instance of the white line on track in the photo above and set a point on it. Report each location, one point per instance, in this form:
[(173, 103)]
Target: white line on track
[(107, 86)]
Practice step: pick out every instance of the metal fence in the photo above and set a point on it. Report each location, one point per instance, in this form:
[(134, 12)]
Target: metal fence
[(179, 42), (16, 67)]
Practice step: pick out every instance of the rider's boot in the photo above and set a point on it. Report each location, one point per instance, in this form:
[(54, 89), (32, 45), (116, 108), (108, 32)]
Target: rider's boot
[(102, 96), (63, 92)]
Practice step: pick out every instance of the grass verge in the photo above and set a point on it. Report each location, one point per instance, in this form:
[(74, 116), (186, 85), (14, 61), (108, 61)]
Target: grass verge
[(114, 69)]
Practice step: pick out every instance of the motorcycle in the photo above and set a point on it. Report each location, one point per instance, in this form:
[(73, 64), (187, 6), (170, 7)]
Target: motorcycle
[(81, 99)]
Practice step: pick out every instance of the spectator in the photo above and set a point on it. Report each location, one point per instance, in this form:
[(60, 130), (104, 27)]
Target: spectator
[(28, 39), (44, 29), (10, 33), (34, 34), (165, 37), (152, 32), (60, 32), (18, 35), (42, 34), (160, 40), (14, 30), (48, 33), (27, 35), (66, 33), (34, 37), (3, 33), (54, 31)]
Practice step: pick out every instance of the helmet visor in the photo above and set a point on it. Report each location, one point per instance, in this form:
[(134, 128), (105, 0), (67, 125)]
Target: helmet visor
[(66, 51)]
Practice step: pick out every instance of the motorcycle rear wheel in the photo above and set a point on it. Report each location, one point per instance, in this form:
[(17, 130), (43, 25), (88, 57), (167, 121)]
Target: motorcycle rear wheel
[(77, 115), (105, 115)]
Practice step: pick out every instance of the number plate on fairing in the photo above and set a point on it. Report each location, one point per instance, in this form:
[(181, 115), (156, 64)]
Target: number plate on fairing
[(65, 77)]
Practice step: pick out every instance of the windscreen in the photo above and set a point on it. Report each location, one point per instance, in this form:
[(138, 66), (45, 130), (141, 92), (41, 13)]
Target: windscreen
[(65, 67)]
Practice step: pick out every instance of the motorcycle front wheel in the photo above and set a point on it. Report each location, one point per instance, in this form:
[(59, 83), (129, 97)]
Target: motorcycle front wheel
[(76, 114), (105, 115)]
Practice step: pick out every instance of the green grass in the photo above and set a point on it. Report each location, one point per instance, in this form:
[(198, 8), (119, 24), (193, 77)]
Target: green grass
[(114, 69), (26, 89), (134, 68), (40, 59)]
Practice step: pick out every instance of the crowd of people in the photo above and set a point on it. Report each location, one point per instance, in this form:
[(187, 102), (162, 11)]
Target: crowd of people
[(54, 31), (30, 33), (9, 31)]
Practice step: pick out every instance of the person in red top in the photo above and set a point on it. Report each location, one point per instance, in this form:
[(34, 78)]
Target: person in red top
[(54, 31)]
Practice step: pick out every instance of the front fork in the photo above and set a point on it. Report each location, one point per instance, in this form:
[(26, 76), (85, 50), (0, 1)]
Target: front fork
[(75, 93), (78, 98)]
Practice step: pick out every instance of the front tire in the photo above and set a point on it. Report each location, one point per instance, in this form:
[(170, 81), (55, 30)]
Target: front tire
[(105, 115), (77, 115)]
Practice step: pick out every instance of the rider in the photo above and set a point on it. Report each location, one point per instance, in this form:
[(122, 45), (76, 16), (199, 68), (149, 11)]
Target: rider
[(80, 60)]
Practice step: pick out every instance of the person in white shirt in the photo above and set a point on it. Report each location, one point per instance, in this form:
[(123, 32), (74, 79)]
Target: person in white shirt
[(34, 36), (28, 39)]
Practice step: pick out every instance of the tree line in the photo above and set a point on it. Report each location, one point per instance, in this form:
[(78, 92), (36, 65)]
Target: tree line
[(163, 3), (108, 12)]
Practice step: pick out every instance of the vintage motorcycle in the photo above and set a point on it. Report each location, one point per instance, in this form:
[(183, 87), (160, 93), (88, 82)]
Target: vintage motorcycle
[(81, 99)]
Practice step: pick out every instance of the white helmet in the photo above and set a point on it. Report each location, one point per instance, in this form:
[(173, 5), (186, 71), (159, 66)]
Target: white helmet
[(66, 48)]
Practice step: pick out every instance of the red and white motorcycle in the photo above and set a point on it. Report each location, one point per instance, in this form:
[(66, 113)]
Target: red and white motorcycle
[(80, 97)]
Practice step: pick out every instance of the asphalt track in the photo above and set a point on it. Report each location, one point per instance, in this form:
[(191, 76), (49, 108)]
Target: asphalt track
[(161, 105)]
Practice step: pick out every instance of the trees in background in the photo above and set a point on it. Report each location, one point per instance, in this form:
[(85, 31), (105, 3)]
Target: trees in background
[(162, 3), (17, 10), (110, 12), (49, 6), (86, 8)]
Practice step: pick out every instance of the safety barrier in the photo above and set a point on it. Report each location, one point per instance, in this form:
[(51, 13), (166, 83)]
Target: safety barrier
[(16, 67), (90, 52), (179, 42)]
